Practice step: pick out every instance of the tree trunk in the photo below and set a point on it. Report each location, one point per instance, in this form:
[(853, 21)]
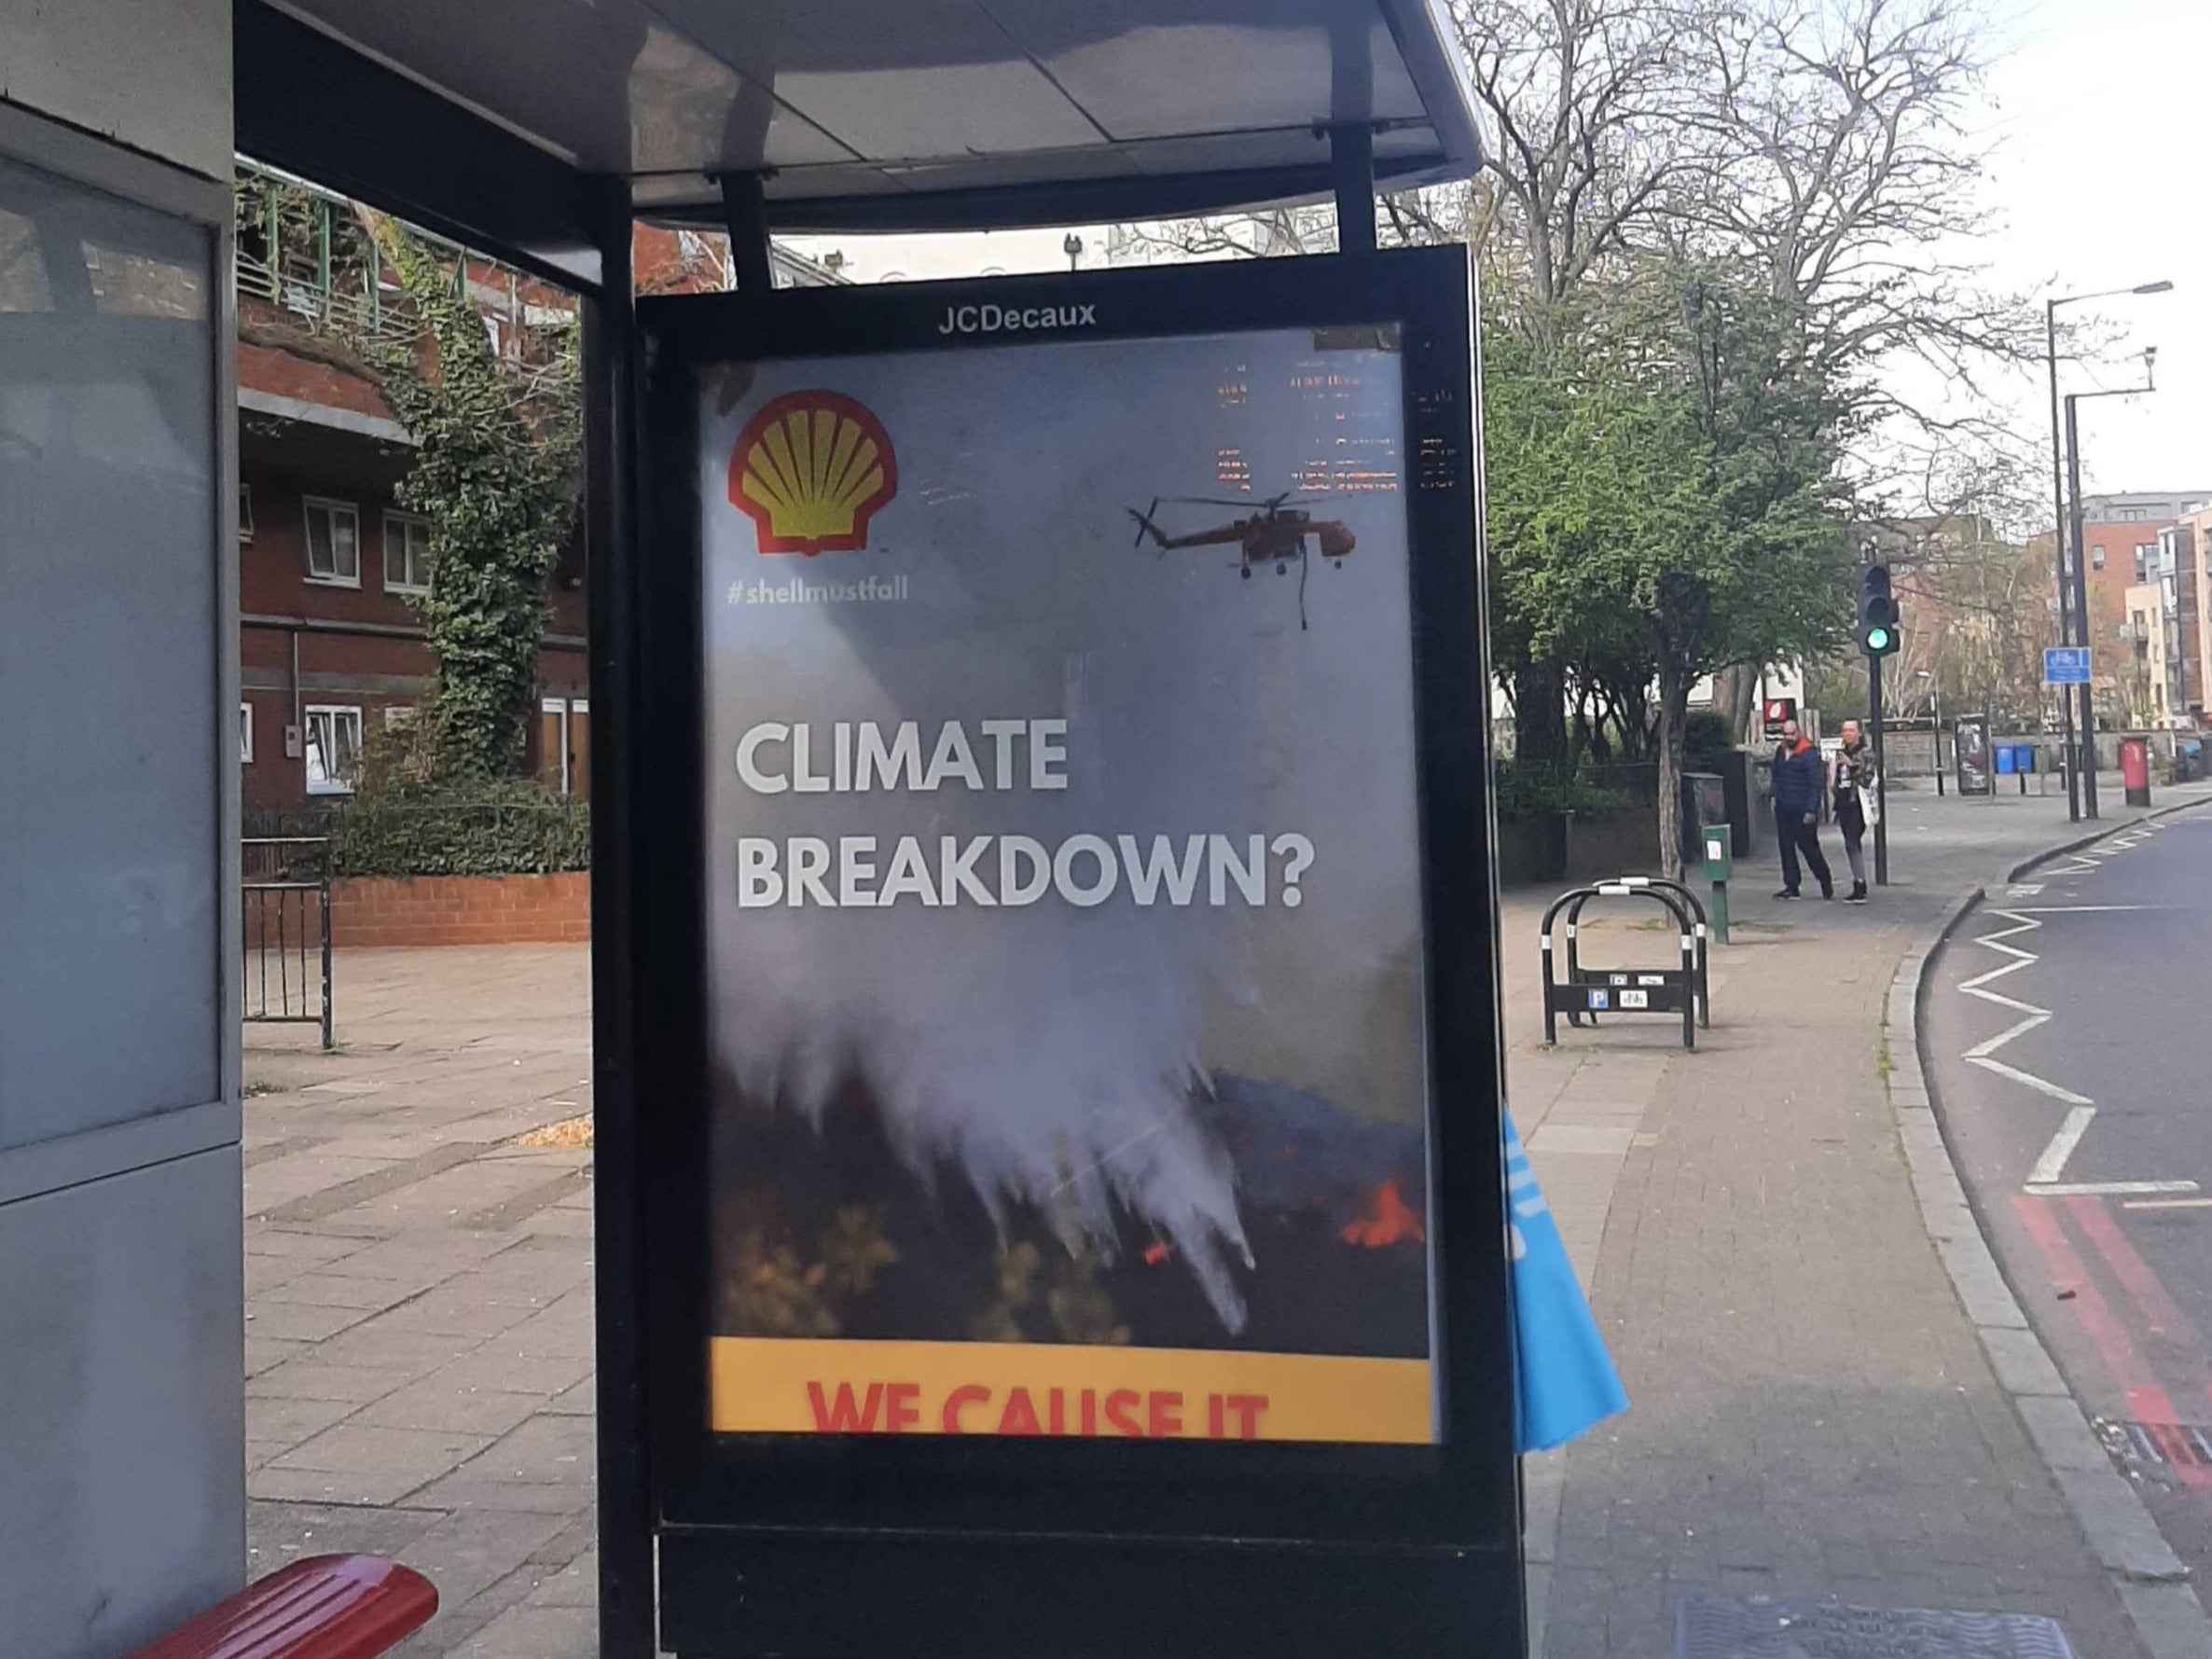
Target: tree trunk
[(1735, 698), (1539, 714), (1673, 706)]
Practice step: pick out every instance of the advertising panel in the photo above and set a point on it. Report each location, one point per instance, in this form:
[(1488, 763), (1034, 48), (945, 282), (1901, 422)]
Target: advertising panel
[(1970, 749), (1064, 938)]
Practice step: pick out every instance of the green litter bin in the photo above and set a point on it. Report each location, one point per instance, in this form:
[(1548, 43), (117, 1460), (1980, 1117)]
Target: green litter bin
[(1717, 866)]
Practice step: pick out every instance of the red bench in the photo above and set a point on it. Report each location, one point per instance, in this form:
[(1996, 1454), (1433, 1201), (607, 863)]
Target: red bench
[(326, 1607)]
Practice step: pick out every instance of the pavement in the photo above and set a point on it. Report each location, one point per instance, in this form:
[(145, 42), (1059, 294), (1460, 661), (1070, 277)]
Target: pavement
[(1813, 1416), (2063, 1033), (418, 1336)]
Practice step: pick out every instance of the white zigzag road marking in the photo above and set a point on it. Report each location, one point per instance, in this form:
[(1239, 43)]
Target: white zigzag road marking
[(1980, 1055), (2045, 1178)]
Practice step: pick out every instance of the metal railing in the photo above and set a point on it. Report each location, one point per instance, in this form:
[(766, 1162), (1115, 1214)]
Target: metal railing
[(284, 966), (304, 251)]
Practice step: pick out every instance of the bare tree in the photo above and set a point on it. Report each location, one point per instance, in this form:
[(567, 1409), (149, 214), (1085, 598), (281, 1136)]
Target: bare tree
[(1593, 106), (1839, 155), (1844, 161), (1267, 234)]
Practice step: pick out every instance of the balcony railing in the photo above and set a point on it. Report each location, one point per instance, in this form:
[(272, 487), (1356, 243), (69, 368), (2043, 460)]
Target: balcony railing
[(304, 251)]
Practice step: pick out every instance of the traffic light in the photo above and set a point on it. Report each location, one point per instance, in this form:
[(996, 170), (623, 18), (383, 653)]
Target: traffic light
[(1877, 611)]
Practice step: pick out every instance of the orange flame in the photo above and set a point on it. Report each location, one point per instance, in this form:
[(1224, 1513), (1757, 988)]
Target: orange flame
[(1388, 1219)]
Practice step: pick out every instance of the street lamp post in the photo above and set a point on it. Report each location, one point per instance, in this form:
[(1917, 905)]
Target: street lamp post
[(2058, 539), (2081, 561)]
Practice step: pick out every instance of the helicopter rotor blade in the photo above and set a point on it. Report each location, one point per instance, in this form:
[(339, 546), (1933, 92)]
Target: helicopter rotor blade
[(1143, 520)]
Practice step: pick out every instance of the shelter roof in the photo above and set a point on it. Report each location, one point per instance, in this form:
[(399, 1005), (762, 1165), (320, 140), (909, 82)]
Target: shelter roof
[(943, 114)]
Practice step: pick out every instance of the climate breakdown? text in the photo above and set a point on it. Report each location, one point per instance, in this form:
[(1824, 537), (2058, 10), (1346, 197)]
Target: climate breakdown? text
[(996, 871)]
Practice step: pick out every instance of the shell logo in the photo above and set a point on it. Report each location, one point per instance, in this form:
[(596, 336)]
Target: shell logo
[(811, 469)]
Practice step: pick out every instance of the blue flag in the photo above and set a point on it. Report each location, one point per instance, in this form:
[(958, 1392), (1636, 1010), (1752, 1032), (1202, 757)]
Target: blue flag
[(1566, 1377)]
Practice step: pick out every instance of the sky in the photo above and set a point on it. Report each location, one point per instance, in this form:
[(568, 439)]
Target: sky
[(2097, 125), (2100, 131)]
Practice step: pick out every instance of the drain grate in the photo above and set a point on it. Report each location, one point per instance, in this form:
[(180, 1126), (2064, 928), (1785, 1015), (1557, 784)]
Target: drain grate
[(2162, 1445), (1708, 1628)]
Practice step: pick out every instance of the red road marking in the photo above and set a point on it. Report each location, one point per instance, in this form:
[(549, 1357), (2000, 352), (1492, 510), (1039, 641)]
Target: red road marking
[(2115, 1344), (2150, 1295), (2143, 1285)]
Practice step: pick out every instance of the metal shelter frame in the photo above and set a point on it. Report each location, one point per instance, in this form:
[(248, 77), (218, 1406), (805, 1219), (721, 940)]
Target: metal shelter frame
[(321, 110)]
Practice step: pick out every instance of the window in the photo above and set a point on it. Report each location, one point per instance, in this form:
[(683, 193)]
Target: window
[(245, 512), (564, 745), (333, 743), (333, 542), (406, 553), (2096, 557), (245, 734)]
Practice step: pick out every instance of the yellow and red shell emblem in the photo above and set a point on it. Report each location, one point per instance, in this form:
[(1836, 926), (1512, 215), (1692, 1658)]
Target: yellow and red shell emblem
[(811, 469)]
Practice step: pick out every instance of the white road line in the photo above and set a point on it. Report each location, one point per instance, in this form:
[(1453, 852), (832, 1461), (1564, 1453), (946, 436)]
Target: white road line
[(2042, 1084), (1980, 1050), (2167, 1204), (2076, 909), (2053, 1163), (2043, 1179)]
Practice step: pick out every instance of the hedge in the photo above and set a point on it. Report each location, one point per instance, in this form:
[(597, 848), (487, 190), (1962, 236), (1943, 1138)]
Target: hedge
[(525, 831)]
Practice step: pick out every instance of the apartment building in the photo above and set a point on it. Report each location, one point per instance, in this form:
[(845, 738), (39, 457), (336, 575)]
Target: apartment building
[(330, 565)]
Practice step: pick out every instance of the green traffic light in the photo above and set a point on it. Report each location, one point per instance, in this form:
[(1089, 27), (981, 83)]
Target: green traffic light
[(1877, 639)]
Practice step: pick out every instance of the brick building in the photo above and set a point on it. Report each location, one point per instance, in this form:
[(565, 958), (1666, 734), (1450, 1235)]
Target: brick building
[(2193, 562), (2129, 544), (330, 648)]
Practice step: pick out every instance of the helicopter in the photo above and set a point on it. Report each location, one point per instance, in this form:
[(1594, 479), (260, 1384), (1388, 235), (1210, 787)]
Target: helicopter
[(1278, 530)]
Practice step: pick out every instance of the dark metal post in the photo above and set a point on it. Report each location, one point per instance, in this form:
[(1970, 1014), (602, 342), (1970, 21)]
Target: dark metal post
[(2088, 719), (323, 900), (745, 215), (2058, 555), (1692, 991), (626, 1625), (1351, 166), (1938, 694), (1873, 701)]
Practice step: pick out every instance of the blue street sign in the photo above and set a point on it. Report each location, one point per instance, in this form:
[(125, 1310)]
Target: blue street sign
[(2066, 665)]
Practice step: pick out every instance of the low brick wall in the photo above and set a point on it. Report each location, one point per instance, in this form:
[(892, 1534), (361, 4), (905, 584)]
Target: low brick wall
[(462, 910)]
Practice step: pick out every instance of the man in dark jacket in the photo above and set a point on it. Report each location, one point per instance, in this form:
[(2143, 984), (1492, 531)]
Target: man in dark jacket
[(1800, 781)]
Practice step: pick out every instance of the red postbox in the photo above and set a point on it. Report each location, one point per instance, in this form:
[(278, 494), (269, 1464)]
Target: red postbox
[(2135, 769)]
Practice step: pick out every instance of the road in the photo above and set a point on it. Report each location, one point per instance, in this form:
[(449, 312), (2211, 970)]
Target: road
[(2069, 1040)]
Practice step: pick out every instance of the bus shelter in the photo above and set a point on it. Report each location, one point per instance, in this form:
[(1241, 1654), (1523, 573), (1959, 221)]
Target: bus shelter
[(1046, 1068)]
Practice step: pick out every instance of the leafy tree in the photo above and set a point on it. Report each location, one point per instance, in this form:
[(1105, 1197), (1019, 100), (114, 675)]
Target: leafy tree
[(1827, 147), (1662, 494), (494, 473)]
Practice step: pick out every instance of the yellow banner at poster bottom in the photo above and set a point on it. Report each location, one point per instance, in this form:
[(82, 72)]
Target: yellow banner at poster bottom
[(778, 1386)]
